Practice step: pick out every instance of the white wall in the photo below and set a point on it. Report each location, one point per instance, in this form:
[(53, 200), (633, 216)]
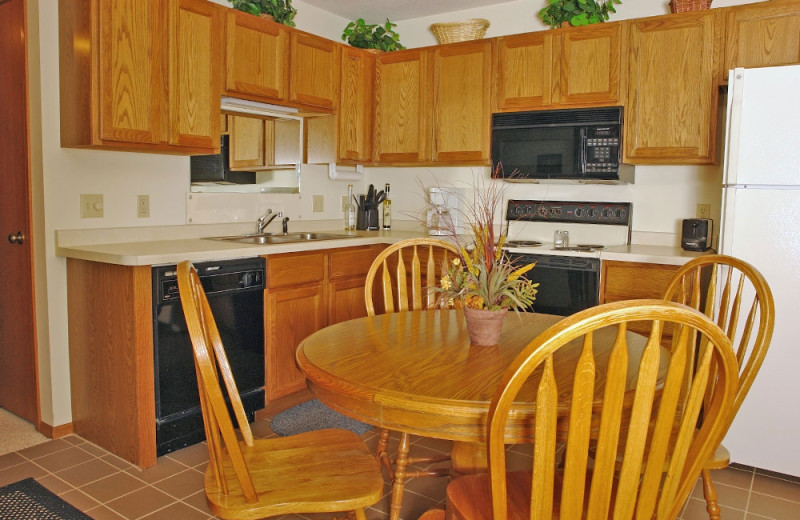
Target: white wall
[(661, 195)]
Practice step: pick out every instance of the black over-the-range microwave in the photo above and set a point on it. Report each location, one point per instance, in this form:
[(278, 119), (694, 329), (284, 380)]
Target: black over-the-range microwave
[(575, 145)]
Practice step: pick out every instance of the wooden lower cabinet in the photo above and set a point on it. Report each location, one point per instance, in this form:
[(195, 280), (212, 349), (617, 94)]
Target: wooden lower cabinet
[(632, 281), (306, 292), (111, 358)]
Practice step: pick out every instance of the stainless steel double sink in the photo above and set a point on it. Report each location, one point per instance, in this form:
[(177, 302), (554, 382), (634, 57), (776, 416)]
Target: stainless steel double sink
[(269, 238)]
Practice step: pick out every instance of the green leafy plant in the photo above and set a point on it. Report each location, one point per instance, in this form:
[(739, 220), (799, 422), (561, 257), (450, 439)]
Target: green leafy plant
[(281, 10), (482, 276), (577, 12), (372, 36)]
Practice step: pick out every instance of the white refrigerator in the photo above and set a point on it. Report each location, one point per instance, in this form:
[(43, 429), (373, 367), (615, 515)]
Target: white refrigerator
[(761, 225)]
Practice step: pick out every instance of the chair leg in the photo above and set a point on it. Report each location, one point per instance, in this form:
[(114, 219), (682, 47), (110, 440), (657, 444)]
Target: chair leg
[(710, 494), (398, 486)]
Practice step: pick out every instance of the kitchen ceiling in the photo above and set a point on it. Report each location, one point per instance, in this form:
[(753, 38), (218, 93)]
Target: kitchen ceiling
[(374, 11)]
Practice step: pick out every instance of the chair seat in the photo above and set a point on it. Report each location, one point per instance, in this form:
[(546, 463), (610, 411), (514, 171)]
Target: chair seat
[(470, 497), (720, 460), (315, 472)]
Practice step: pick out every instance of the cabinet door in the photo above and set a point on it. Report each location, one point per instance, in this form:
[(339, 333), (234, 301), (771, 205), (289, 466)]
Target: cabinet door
[(762, 35), (354, 117), (314, 71), (248, 142), (524, 71), (347, 272), (291, 314), (591, 70), (461, 101), (401, 107), (257, 57), (195, 73), (132, 78), (671, 115)]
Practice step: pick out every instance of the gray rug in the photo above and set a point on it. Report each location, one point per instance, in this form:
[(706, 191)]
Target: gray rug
[(311, 416), (29, 500)]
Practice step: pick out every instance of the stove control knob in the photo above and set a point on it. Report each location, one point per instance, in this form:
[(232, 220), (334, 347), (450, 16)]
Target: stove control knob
[(519, 210), (542, 211), (592, 212), (621, 214), (579, 212)]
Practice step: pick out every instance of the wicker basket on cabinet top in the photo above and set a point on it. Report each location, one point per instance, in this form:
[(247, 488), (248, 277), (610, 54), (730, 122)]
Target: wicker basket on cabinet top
[(682, 6), (453, 32)]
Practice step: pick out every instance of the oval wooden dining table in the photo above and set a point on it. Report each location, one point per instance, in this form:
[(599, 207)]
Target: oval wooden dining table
[(416, 372)]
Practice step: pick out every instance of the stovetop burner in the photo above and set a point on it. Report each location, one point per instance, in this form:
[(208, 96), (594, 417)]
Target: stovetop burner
[(523, 243)]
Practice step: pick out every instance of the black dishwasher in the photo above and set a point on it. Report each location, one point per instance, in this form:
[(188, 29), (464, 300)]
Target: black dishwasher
[(235, 291)]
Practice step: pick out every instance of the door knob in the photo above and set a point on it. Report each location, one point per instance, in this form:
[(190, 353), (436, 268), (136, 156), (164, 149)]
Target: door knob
[(16, 238)]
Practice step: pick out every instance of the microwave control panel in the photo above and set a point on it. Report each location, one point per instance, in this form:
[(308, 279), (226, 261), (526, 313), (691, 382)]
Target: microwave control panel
[(602, 149)]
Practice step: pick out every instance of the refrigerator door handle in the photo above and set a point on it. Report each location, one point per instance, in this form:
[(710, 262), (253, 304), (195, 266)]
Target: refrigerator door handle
[(735, 96)]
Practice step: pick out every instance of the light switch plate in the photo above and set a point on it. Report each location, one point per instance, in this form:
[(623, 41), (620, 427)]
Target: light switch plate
[(91, 205)]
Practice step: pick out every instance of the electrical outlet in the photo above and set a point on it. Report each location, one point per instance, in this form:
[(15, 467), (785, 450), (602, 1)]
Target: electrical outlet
[(318, 204), (91, 205), (143, 206), (704, 211)]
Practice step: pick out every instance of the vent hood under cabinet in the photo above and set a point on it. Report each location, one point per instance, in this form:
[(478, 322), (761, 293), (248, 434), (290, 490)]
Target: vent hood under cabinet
[(216, 168)]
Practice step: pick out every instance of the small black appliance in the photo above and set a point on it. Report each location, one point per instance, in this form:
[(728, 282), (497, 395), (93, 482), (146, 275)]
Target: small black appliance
[(696, 234), (216, 168)]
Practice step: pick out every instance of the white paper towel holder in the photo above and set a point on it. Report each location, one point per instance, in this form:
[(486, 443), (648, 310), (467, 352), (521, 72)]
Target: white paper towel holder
[(335, 174)]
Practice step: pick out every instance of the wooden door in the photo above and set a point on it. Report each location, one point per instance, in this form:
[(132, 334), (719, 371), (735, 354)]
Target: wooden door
[(257, 57), (591, 68), (524, 71), (18, 360), (314, 71), (195, 40), (401, 107), (132, 74), (354, 117), (671, 114), (462, 102), (762, 35)]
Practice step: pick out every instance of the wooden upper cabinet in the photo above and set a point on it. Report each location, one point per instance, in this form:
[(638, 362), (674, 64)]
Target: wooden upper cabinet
[(140, 75), (762, 35), (671, 114), (314, 71), (195, 73), (354, 116), (524, 71), (257, 58), (461, 101), (591, 71), (401, 111)]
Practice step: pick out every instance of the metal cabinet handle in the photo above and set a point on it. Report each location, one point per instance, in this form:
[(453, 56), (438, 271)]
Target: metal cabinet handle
[(16, 238)]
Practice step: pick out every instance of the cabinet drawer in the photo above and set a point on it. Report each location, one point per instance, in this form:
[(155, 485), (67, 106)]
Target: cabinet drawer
[(633, 280), (352, 262), (294, 269)]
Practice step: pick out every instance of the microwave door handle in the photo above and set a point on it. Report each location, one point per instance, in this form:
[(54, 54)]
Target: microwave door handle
[(584, 152)]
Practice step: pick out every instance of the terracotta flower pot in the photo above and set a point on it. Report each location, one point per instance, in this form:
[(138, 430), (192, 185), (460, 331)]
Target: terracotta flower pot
[(484, 326)]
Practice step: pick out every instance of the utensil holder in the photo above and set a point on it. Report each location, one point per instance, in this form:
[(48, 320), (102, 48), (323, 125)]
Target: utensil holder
[(372, 218), (361, 219)]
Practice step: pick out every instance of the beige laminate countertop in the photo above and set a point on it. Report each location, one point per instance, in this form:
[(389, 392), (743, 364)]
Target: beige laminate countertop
[(173, 244)]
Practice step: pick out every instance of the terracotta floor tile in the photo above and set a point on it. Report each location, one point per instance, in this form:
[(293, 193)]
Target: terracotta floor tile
[(198, 501), (94, 469), (11, 459), (54, 484), (79, 499), (696, 510), (20, 472), (177, 510), (166, 467), (103, 513), (74, 439), (733, 477), (776, 487), (112, 487), (117, 462), (192, 455), (140, 503), (46, 448), (773, 507), (63, 459), (181, 485)]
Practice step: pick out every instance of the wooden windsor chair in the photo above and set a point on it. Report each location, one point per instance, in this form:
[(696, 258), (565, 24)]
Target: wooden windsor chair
[(401, 288), (739, 300), (659, 467), (315, 472)]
